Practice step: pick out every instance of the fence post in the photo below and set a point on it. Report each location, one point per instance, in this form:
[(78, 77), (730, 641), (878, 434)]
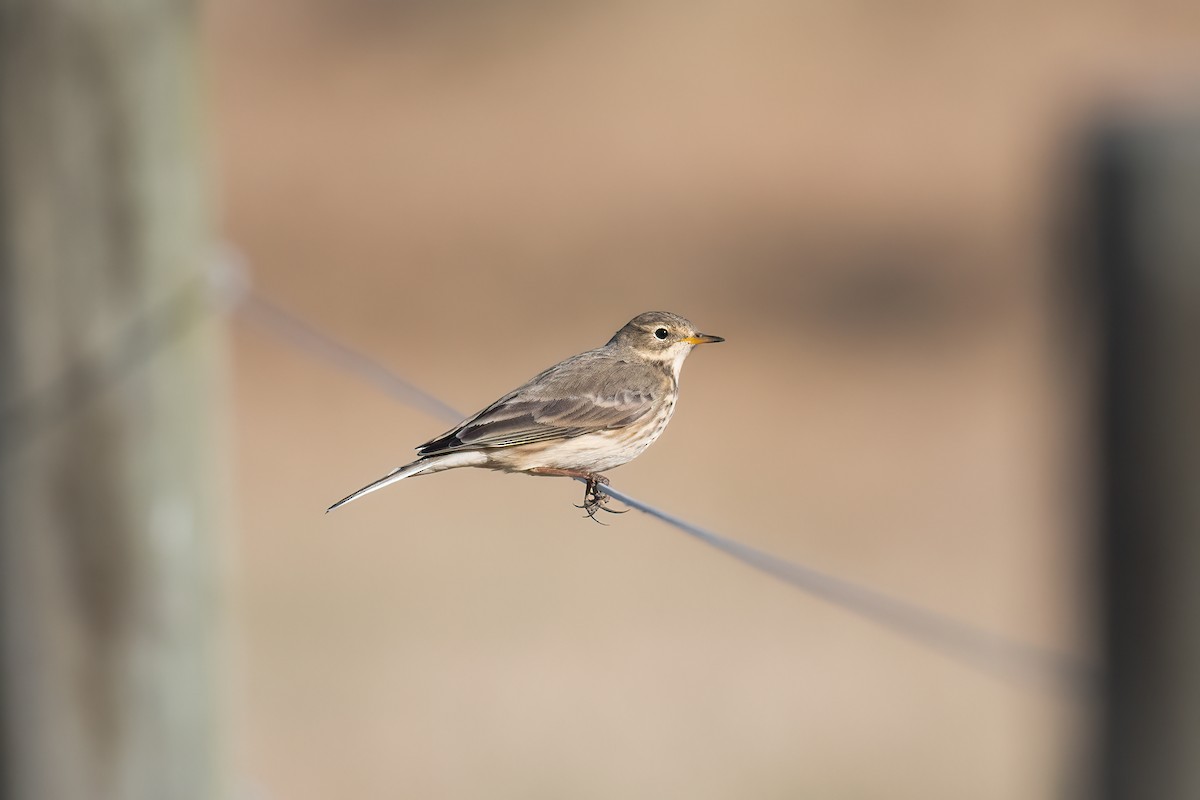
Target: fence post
[(1145, 232), (109, 511)]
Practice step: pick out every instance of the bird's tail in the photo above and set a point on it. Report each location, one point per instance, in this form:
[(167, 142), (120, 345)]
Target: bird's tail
[(398, 474)]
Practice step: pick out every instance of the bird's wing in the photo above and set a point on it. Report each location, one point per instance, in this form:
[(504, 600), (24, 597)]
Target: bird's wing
[(584, 394)]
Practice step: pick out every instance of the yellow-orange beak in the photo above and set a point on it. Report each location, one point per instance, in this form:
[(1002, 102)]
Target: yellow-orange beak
[(702, 338)]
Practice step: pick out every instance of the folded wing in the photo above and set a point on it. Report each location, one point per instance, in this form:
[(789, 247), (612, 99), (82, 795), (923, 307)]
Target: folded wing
[(582, 395)]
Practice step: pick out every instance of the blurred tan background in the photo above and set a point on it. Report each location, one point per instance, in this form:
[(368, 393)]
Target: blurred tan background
[(862, 197)]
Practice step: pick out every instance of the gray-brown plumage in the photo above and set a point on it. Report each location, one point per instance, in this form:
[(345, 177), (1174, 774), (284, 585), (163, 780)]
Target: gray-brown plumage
[(585, 415)]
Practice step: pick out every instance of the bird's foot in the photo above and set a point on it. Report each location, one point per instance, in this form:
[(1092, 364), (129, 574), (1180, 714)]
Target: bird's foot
[(595, 500)]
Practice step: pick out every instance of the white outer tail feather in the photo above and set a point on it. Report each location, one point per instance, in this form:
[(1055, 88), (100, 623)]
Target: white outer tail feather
[(398, 474), (430, 464)]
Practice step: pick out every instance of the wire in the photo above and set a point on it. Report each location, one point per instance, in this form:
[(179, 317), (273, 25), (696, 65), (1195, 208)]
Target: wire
[(982, 650), (304, 337), (242, 297)]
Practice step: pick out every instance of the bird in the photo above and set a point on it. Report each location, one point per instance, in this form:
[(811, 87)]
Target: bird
[(579, 418)]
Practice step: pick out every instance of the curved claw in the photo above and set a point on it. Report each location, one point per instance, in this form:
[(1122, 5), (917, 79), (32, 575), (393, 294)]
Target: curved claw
[(589, 509)]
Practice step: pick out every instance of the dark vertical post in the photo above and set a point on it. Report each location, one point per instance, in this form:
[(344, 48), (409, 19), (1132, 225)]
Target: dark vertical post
[(108, 504), (1145, 232)]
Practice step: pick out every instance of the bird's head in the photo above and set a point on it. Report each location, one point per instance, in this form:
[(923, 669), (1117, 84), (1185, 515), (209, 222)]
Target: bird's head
[(661, 336)]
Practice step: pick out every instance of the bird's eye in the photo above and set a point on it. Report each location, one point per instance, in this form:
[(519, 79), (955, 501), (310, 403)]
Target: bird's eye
[(661, 333)]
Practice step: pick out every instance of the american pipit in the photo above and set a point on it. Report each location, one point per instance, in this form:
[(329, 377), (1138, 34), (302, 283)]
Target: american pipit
[(585, 415)]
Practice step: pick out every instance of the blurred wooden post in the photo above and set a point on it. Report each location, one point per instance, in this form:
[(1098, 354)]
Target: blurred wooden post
[(1146, 232), (109, 509)]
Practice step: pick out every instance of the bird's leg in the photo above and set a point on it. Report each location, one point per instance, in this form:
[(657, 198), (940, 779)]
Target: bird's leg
[(593, 498)]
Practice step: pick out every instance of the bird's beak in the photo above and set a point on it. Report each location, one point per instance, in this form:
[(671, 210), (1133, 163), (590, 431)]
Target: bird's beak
[(703, 338)]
